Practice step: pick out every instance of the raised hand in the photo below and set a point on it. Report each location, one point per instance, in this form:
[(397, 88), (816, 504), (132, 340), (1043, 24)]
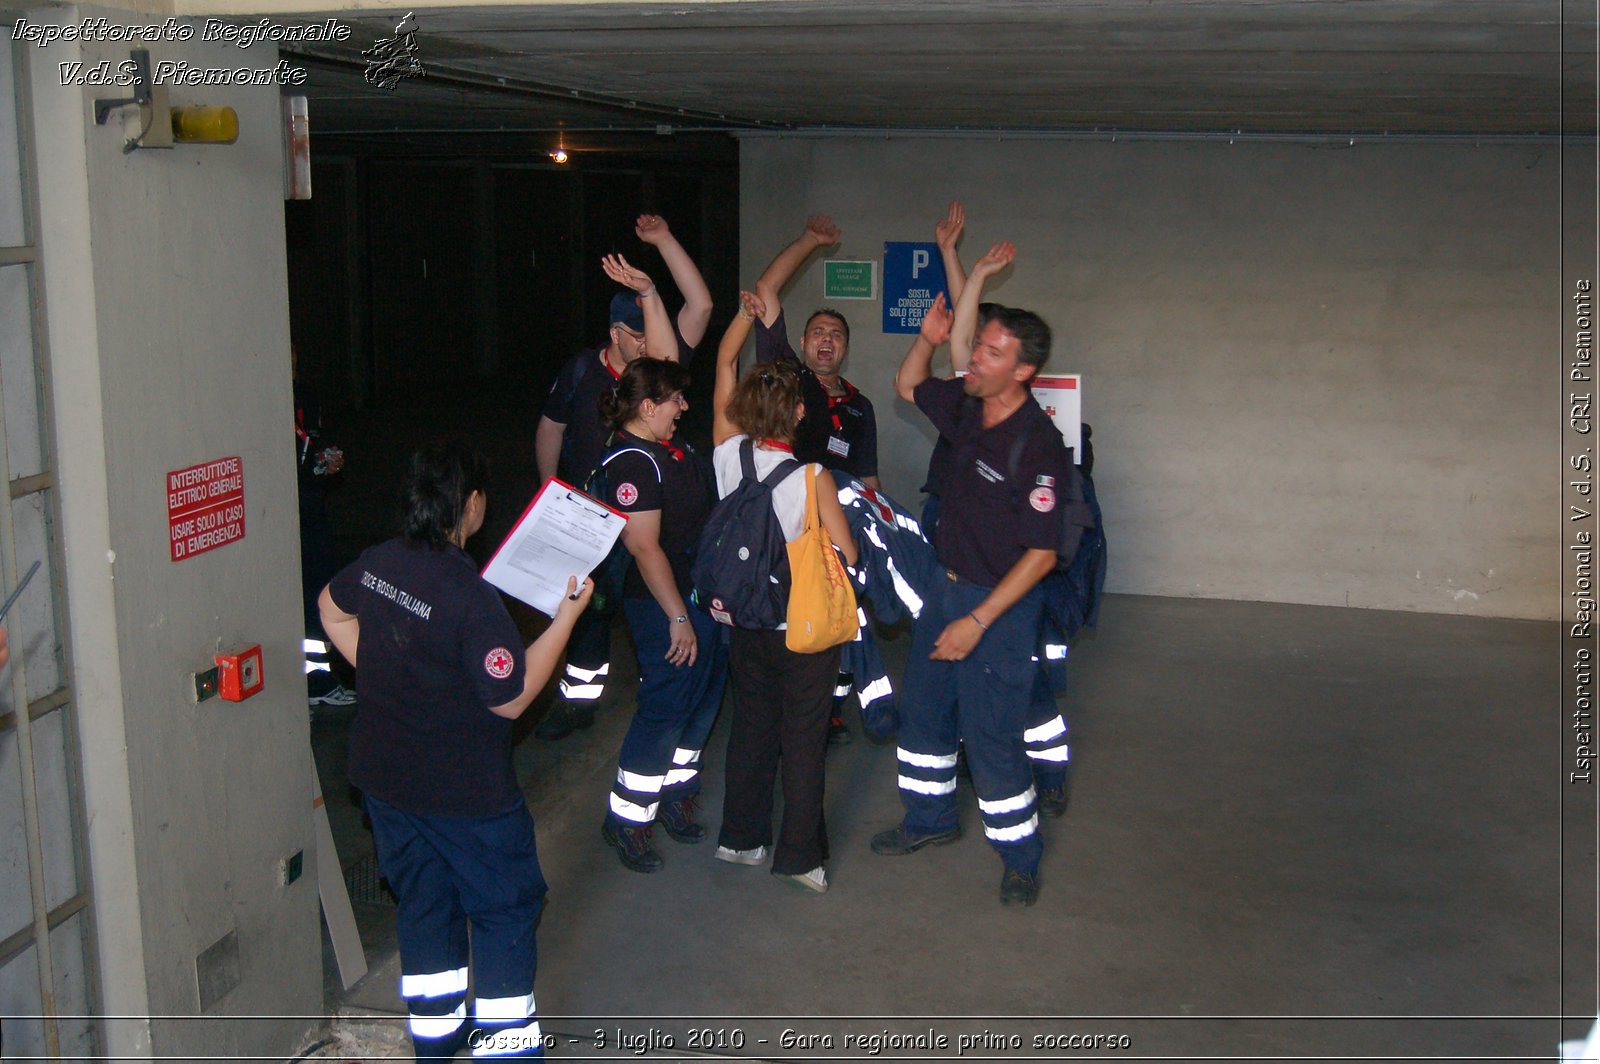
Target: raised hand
[(936, 321), (751, 306), (948, 229), (822, 231), (652, 229), (996, 259), (618, 270)]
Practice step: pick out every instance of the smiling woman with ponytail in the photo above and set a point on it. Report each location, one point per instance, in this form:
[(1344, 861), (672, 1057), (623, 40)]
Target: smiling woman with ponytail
[(654, 476)]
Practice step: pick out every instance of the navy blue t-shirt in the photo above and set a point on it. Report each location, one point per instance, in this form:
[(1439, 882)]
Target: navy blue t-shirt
[(574, 401), (839, 431), (436, 650), (986, 523), (648, 475)]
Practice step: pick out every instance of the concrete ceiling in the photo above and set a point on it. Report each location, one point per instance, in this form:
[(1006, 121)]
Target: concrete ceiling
[(1175, 66)]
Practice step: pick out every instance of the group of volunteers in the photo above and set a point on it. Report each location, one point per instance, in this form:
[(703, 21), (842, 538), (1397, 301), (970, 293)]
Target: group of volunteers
[(441, 673)]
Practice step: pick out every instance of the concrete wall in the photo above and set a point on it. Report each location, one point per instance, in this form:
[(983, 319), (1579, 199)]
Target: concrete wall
[(169, 344), (1316, 374)]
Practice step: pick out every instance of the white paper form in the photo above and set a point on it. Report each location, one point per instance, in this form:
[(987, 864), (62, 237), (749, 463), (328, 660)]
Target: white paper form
[(562, 533)]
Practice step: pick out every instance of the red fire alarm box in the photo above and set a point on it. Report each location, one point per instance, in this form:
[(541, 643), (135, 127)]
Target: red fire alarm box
[(239, 672)]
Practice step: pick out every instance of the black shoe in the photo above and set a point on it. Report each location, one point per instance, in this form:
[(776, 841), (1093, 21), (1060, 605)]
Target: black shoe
[(633, 847), (1018, 888), (1053, 801), (677, 820), (897, 841), (838, 734), (562, 720)]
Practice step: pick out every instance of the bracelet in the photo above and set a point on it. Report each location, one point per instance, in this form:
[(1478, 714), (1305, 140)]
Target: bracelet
[(977, 622), (682, 618), (745, 315), (648, 292)]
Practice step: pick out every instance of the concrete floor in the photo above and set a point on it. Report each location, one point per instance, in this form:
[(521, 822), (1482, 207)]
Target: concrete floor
[(1294, 832)]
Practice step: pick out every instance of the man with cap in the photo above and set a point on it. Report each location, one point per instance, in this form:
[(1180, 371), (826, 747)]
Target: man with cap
[(571, 439)]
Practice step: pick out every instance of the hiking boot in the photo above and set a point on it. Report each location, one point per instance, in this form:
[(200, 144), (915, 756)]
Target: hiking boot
[(816, 879), (1018, 888), (677, 819), (838, 734), (744, 857), (562, 720), (897, 841), (1053, 801), (633, 847)]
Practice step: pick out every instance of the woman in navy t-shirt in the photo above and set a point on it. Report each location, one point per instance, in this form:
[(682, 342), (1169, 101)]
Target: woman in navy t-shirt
[(441, 675)]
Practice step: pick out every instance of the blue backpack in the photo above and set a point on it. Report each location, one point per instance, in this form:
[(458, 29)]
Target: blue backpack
[(741, 563), (1073, 589)]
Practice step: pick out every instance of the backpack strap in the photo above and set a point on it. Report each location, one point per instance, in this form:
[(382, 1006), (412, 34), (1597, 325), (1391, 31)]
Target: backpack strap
[(747, 464), (608, 454)]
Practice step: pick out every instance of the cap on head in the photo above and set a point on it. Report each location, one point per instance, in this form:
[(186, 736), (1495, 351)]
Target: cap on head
[(625, 310)]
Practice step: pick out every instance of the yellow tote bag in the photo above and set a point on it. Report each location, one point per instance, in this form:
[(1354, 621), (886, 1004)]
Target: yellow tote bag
[(822, 604)]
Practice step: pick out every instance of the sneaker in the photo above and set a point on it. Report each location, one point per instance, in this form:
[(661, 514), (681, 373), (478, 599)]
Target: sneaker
[(816, 879), (1053, 801), (633, 847), (897, 841), (838, 734), (337, 695), (744, 857), (562, 720), (1018, 888), (677, 819)]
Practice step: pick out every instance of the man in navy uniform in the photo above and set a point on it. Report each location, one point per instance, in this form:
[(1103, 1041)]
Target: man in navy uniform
[(972, 668), (571, 440)]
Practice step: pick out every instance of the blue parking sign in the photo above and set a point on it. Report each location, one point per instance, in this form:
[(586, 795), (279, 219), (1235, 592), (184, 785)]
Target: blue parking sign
[(913, 277)]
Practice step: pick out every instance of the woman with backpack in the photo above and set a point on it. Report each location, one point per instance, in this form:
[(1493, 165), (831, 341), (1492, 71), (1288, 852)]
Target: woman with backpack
[(656, 479), (781, 700)]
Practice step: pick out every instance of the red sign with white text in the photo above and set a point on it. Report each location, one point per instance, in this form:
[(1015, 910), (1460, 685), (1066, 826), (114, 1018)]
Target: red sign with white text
[(205, 507)]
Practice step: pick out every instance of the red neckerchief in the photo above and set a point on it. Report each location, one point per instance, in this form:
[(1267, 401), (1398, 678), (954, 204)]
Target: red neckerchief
[(778, 446), (606, 362), (672, 449), (839, 400)]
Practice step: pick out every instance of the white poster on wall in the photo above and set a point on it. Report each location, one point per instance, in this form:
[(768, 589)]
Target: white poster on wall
[(1061, 398)]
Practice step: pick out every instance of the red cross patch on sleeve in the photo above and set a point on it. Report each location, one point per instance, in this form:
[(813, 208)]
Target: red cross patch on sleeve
[(627, 494), (1042, 499), (499, 663)]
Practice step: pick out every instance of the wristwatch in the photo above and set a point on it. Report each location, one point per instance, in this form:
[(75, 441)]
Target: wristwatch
[(682, 618)]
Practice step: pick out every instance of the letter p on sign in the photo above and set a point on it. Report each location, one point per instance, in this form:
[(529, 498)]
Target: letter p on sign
[(919, 262)]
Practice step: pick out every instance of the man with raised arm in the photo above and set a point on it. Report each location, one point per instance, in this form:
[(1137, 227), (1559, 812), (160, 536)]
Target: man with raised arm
[(839, 429), (971, 665), (1046, 737), (571, 439)]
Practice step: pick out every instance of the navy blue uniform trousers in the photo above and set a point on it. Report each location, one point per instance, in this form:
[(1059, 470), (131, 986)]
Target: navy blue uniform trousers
[(449, 872), (677, 706), (983, 701)]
